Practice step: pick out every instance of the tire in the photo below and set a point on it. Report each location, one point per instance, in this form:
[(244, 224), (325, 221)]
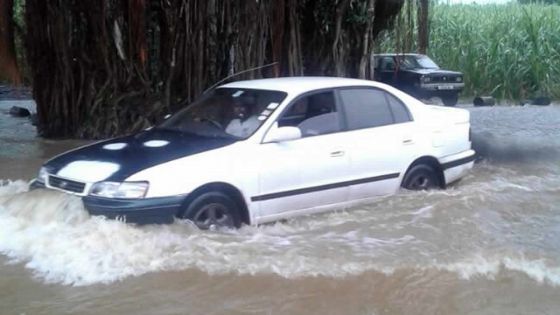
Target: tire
[(212, 211), (421, 177), (450, 99)]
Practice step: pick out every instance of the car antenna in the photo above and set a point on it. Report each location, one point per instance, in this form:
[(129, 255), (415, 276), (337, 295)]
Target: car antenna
[(236, 74)]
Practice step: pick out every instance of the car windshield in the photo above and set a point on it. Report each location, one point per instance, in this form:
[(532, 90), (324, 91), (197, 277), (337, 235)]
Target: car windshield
[(416, 62), (226, 113)]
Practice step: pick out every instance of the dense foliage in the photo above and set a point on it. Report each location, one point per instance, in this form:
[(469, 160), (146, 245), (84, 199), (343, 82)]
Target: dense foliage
[(510, 51), (102, 68), (539, 1)]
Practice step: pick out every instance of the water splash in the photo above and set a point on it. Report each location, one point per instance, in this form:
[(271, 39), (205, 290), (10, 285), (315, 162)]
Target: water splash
[(53, 236), (490, 266)]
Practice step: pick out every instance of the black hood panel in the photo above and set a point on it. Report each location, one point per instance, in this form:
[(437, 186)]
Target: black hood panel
[(136, 155), (433, 72)]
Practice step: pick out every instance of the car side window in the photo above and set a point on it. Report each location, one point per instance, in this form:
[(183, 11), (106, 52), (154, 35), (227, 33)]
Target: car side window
[(387, 64), (314, 115), (366, 108), (399, 110)]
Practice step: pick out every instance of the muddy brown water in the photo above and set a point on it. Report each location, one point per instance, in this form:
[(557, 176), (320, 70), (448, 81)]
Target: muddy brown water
[(488, 245)]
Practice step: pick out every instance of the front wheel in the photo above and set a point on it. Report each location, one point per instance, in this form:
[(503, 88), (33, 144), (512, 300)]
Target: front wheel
[(212, 211), (450, 99), (421, 177)]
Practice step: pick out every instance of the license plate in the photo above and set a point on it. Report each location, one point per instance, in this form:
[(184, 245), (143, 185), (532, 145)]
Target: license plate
[(445, 87)]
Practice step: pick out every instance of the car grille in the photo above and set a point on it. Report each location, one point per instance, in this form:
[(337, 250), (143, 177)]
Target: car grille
[(444, 79), (66, 184)]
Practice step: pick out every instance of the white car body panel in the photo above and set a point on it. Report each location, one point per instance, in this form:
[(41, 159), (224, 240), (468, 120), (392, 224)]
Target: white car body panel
[(286, 179), (300, 164), (378, 152)]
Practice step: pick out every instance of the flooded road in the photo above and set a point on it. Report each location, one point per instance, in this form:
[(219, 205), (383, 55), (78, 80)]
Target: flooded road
[(488, 245)]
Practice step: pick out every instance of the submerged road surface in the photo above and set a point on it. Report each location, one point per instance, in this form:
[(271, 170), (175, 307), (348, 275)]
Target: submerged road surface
[(488, 245)]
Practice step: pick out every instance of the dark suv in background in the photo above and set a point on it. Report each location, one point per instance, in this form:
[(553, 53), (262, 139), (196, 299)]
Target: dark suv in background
[(419, 76)]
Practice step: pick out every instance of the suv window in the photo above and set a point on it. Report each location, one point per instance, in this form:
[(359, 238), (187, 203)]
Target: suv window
[(387, 64), (365, 108), (314, 115)]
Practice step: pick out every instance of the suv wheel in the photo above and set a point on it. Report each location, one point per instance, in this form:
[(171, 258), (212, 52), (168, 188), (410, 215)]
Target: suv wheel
[(212, 211), (450, 99)]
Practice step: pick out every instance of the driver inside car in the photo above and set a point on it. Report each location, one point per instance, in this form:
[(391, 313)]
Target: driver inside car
[(244, 122)]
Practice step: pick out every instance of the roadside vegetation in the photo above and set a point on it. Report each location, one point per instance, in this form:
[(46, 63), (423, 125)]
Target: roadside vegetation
[(510, 51)]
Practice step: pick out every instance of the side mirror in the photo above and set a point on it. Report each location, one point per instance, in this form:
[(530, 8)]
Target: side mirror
[(279, 134)]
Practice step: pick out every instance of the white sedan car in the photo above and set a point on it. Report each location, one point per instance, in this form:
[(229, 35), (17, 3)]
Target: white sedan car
[(263, 150)]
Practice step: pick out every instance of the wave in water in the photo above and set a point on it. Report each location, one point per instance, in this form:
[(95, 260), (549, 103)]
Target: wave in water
[(54, 237)]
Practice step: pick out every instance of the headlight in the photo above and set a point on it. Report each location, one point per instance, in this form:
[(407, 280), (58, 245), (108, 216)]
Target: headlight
[(43, 174), (459, 79), (127, 190), (426, 79)]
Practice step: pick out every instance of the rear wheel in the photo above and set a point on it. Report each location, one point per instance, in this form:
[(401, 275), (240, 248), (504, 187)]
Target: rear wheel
[(421, 177), (212, 211)]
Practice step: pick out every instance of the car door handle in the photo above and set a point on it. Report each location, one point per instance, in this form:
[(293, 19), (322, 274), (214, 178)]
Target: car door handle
[(408, 141), (337, 153)]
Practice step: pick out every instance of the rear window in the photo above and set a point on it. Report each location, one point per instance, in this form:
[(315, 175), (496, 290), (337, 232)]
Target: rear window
[(366, 108), (400, 112)]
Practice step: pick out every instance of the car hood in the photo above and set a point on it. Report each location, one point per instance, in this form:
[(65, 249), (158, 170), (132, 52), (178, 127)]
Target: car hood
[(119, 158), (433, 71)]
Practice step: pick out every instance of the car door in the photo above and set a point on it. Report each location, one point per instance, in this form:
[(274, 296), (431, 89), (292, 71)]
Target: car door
[(303, 175), (379, 140), (386, 70)]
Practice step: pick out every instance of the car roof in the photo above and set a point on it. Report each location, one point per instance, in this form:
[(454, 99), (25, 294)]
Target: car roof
[(299, 84)]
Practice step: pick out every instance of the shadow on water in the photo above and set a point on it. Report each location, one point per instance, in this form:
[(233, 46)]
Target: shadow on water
[(526, 135), (496, 149)]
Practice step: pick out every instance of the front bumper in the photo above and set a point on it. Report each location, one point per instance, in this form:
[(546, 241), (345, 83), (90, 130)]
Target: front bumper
[(442, 87), (160, 210), (35, 184)]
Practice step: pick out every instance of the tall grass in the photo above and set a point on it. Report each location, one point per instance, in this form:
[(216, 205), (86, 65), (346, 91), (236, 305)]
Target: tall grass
[(509, 51)]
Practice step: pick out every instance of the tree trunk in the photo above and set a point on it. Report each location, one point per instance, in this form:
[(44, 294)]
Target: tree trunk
[(338, 43), (409, 26), (423, 26), (295, 62), (137, 31), (366, 46), (9, 69), (277, 34)]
